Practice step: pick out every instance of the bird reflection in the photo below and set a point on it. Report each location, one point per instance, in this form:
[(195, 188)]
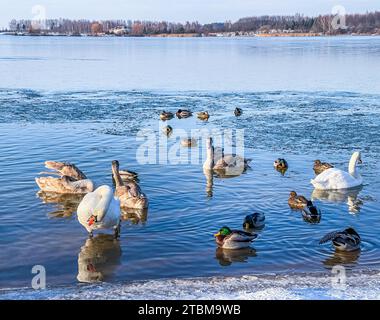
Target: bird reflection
[(209, 182), (227, 257), (221, 174), (65, 204), (281, 171), (349, 196), (135, 216), (98, 259), (342, 258)]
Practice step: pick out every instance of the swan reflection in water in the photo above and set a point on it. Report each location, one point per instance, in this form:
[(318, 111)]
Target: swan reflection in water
[(135, 216), (344, 258), (65, 204), (227, 257), (349, 196), (221, 174), (99, 258)]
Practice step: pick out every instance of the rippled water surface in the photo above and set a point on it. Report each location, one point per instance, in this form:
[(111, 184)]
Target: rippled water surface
[(174, 239)]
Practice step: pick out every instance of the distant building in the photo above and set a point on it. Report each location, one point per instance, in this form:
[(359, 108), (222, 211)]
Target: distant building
[(119, 31)]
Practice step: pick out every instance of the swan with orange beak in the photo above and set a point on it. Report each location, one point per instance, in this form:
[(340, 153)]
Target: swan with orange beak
[(100, 210)]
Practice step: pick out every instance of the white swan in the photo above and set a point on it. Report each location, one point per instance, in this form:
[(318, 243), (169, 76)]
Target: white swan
[(335, 179), (100, 210)]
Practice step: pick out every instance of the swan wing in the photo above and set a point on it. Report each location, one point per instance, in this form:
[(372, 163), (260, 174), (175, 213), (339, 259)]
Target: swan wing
[(86, 208), (333, 179), (112, 217)]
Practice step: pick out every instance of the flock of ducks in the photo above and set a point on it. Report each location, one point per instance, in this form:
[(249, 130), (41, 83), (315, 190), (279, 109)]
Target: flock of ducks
[(328, 178), (100, 208)]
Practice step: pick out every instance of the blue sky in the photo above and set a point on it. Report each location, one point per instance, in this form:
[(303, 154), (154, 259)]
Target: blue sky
[(175, 10)]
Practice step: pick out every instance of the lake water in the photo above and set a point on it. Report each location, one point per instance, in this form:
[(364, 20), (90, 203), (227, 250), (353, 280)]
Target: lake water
[(84, 100)]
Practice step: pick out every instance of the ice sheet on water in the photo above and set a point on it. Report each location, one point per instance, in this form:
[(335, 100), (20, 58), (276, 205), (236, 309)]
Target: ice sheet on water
[(284, 287)]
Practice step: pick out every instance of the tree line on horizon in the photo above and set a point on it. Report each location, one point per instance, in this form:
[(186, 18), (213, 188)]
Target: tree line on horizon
[(355, 23)]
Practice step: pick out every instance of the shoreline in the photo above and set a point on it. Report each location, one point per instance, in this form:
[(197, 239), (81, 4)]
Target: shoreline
[(194, 35), (358, 285)]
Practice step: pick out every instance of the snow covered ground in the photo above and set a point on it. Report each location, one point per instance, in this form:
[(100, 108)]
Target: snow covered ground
[(293, 287)]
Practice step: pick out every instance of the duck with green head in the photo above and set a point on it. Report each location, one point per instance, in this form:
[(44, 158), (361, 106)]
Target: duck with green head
[(233, 239)]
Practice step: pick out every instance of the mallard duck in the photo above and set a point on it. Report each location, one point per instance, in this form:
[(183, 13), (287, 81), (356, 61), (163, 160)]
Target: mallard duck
[(280, 164), (233, 239), (297, 202), (71, 179), (230, 164), (189, 142), (254, 220), (311, 213), (319, 166), (238, 112), (336, 179), (129, 194), (166, 115), (100, 210), (346, 240), (167, 130), (203, 115), (183, 113)]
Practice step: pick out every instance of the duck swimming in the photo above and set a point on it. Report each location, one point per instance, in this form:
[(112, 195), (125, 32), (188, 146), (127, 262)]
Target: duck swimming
[(183, 113), (280, 164), (238, 112), (254, 220), (71, 179), (297, 202), (346, 240), (233, 239), (203, 115), (311, 213), (230, 164), (129, 194), (188, 142), (335, 179), (166, 115), (319, 166), (100, 210), (167, 130)]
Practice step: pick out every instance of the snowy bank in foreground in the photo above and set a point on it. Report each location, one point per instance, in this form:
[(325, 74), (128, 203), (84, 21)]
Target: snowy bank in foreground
[(358, 286)]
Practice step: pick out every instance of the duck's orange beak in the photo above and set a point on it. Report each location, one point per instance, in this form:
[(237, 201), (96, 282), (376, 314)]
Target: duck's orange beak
[(217, 234)]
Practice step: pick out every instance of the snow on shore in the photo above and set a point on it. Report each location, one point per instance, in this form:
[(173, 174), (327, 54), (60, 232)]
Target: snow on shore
[(293, 287)]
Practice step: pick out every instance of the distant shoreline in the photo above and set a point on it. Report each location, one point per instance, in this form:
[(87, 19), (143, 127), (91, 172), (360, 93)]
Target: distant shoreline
[(189, 35)]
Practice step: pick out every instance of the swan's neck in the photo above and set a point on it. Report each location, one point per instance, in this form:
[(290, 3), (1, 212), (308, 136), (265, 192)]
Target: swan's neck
[(101, 209), (209, 163), (116, 176), (352, 166)]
